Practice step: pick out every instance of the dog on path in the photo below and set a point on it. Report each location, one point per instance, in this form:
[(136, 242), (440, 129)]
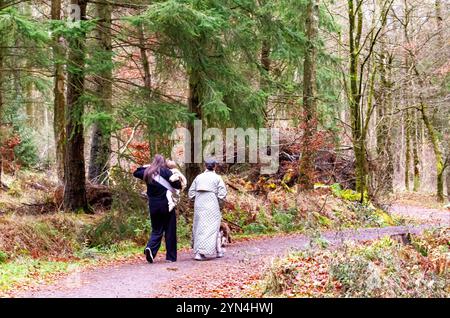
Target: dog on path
[(225, 234)]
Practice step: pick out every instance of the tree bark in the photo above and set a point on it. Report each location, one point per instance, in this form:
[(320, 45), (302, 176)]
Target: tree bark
[(384, 120), (448, 182), (355, 30), (407, 125), (437, 152), (101, 134), (74, 171), (144, 60), (306, 173), (153, 140), (416, 160), (439, 22), (194, 98), (265, 64), (59, 98)]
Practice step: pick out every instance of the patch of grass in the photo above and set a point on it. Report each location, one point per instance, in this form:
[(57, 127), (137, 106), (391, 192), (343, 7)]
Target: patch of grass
[(26, 270), (256, 228), (184, 232), (323, 220), (3, 257), (15, 189), (347, 194)]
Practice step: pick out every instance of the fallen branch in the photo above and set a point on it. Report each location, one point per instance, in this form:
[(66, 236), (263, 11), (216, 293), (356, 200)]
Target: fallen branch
[(233, 186)]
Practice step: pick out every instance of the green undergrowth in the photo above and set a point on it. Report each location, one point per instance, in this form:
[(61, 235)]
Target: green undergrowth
[(342, 211), (347, 194), (382, 268)]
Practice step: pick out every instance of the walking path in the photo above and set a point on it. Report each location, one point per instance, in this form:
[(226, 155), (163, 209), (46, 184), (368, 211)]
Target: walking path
[(223, 277)]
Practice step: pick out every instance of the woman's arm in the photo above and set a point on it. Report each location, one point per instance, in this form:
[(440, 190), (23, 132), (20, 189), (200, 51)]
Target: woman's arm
[(221, 189), (139, 173), (193, 189)]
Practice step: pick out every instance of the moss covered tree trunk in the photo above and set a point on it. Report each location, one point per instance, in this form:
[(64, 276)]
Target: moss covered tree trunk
[(355, 30), (59, 103), (101, 133), (74, 171), (306, 173), (407, 127), (437, 153), (448, 182)]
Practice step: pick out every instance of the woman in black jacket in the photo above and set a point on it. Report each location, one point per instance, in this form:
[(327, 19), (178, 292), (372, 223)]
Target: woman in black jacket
[(163, 221)]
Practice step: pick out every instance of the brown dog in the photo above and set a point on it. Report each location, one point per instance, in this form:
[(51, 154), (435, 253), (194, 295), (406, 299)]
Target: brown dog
[(225, 234)]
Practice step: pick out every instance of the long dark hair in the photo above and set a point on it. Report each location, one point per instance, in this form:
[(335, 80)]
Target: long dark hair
[(155, 168)]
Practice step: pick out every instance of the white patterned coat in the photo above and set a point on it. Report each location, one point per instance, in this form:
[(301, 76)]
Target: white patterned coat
[(207, 188)]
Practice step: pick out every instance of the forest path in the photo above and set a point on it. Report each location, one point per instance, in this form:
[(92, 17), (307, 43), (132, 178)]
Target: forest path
[(225, 277)]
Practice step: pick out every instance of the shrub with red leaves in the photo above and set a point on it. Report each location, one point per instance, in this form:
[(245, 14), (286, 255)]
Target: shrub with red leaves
[(139, 150), (10, 164)]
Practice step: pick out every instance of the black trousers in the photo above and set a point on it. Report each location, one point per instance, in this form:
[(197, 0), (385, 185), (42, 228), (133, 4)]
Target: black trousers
[(164, 223)]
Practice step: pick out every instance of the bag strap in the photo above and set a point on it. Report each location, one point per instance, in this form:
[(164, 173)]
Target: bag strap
[(164, 183)]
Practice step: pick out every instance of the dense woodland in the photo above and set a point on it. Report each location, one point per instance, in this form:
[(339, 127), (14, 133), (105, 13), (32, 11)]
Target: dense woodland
[(360, 93), (366, 81)]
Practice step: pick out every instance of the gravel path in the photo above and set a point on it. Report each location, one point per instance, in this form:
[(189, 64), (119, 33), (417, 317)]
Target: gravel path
[(430, 216), (223, 277)]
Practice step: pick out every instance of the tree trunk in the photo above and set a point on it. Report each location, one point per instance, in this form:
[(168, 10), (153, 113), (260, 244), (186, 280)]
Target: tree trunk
[(152, 140), (416, 159), (439, 22), (194, 98), (384, 121), (264, 81), (101, 134), (58, 92), (407, 123), (144, 59), (448, 182), (355, 30), (74, 171), (306, 173), (437, 152), (29, 109)]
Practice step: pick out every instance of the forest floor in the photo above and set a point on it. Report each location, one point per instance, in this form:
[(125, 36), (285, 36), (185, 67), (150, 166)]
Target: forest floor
[(231, 276)]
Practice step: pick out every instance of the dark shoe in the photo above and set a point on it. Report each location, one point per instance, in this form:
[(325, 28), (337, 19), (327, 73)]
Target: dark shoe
[(148, 255)]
